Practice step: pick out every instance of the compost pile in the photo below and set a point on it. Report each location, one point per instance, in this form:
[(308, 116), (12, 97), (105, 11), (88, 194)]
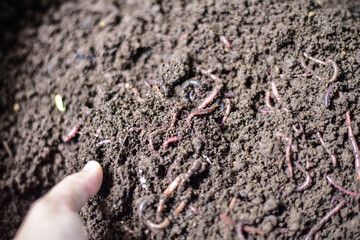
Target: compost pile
[(210, 118)]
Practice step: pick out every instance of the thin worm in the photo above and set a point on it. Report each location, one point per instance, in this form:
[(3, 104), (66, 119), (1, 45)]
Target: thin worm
[(225, 41), (341, 188), (175, 116), (142, 207), (268, 102), (200, 112), (332, 156), (170, 140), (240, 230), (288, 157), (154, 226), (307, 182), (227, 111), (354, 144), (210, 97), (320, 224), (275, 92), (327, 95)]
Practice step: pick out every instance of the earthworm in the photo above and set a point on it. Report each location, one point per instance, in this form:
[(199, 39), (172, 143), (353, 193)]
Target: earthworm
[(337, 198), (209, 74), (151, 138), (303, 64), (302, 75), (168, 191), (136, 93), (154, 226), (305, 143), (227, 111), (210, 97), (170, 140), (225, 41), (183, 203), (333, 157), (282, 135), (193, 209), (307, 182), (329, 61), (250, 229), (288, 157), (282, 188), (171, 188), (354, 144), (200, 112), (198, 165), (226, 219), (181, 207), (341, 188), (320, 224), (72, 132), (275, 92), (142, 207), (232, 202), (268, 102), (161, 84), (240, 230), (175, 116), (229, 95), (103, 142), (327, 95)]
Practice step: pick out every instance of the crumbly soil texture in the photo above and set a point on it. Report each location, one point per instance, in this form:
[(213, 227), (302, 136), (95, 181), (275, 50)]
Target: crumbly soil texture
[(134, 76)]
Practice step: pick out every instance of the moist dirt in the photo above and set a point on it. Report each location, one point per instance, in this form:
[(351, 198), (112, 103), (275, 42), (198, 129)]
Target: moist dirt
[(125, 68)]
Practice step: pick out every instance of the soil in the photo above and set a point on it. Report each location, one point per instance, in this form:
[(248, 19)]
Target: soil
[(121, 68)]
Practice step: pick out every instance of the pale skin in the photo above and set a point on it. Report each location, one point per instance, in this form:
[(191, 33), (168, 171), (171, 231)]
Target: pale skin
[(55, 215)]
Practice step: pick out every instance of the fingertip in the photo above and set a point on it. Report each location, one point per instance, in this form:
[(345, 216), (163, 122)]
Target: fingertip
[(75, 190)]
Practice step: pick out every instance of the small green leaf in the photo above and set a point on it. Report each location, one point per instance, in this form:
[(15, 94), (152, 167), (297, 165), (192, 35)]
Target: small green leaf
[(59, 103)]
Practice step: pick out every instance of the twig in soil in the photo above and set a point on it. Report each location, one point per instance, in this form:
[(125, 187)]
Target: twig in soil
[(227, 110), (320, 224), (7, 149), (137, 94), (210, 97), (170, 140), (225, 41), (240, 230), (176, 115), (154, 226), (307, 182), (200, 112), (288, 157), (332, 156), (354, 144), (341, 188), (328, 62), (327, 95), (103, 142), (151, 138)]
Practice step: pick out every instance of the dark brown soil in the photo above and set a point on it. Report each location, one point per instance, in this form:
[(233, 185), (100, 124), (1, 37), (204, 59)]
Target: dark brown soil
[(156, 47)]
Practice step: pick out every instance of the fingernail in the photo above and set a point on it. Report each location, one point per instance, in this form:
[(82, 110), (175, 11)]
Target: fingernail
[(90, 165)]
